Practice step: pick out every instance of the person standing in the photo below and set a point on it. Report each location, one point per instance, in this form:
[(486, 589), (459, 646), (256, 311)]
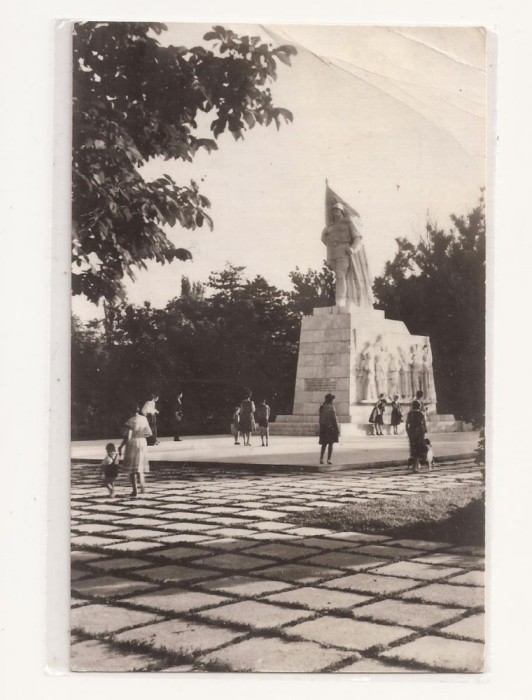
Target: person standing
[(419, 398), (235, 424), (377, 415), (149, 410), (262, 414), (247, 409), (329, 430), (397, 415), (416, 429), (178, 417), (135, 461)]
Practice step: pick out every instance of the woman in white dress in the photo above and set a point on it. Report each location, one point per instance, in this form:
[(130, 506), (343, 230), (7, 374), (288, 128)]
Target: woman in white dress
[(137, 429)]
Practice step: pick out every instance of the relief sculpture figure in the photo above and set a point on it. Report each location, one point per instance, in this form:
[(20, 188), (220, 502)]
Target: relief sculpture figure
[(405, 382), (368, 365), (427, 375), (417, 366), (393, 376), (381, 368)]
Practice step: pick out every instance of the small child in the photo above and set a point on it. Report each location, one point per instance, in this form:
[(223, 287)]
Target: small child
[(235, 424), (397, 415), (109, 466), (429, 455), (262, 414)]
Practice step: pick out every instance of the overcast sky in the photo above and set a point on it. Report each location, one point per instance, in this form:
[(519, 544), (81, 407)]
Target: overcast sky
[(393, 117)]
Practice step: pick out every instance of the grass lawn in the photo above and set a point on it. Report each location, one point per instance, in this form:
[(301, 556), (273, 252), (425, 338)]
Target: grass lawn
[(451, 515)]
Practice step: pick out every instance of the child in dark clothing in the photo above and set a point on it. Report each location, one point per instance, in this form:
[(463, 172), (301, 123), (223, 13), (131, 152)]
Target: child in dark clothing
[(109, 466)]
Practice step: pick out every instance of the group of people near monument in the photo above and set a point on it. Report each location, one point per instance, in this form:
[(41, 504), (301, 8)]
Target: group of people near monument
[(416, 428), (247, 417)]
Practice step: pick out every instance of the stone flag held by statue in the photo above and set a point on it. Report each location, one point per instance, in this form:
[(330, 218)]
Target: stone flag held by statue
[(345, 253)]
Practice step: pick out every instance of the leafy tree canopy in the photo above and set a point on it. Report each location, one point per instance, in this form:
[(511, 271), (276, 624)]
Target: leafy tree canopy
[(312, 288), (437, 287), (134, 100)]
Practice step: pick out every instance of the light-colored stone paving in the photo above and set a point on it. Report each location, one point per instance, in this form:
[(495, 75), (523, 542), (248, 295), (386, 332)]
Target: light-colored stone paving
[(207, 571)]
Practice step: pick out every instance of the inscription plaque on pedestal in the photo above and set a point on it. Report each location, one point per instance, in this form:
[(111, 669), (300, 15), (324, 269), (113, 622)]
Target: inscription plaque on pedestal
[(320, 384)]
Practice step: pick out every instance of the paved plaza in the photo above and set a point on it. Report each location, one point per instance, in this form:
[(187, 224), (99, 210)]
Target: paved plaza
[(206, 572), (287, 450)]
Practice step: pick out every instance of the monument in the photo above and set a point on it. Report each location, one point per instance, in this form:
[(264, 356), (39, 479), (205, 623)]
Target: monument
[(351, 350)]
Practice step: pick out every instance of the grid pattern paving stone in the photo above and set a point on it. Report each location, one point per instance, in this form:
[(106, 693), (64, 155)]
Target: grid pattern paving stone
[(438, 652), (227, 544), (407, 614), (471, 578), (231, 532), (175, 573), (109, 586), (258, 615), (280, 550), (93, 655), (415, 570), (319, 598), (425, 545), (299, 573), (380, 550), (237, 562), (265, 514), (324, 544), (133, 546), (271, 525), (183, 537), (344, 560), (179, 636), (450, 559), (445, 594), (92, 541), (81, 556), (266, 654), (273, 536), (91, 528), (76, 574), (374, 666), (309, 531), (176, 600), (470, 627), (137, 534), (179, 553), (182, 526), (206, 552), (356, 537), (244, 586), (102, 619), (142, 522), (118, 564), (347, 633), (369, 582)]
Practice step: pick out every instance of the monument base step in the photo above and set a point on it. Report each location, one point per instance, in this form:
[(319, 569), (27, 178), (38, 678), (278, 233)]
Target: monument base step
[(301, 425)]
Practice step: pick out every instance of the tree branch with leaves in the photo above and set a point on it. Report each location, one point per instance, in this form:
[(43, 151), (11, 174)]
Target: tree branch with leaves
[(134, 100)]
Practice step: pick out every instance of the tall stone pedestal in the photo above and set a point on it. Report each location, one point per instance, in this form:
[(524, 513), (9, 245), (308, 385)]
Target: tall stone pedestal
[(357, 354)]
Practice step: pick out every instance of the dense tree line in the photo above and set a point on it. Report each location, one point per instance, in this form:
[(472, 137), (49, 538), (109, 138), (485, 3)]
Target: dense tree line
[(437, 287), (214, 340), (210, 342)]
